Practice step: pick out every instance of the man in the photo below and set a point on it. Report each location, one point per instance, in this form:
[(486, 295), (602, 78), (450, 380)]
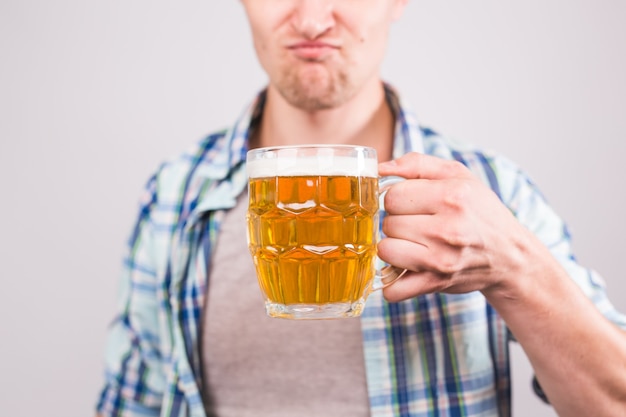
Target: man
[(487, 260)]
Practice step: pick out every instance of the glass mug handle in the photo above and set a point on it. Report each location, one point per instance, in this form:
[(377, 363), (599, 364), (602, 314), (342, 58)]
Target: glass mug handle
[(388, 274)]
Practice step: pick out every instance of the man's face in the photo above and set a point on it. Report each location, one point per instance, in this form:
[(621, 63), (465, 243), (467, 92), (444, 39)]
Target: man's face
[(319, 53)]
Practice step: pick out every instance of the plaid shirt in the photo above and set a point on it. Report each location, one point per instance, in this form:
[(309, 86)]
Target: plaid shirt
[(434, 355)]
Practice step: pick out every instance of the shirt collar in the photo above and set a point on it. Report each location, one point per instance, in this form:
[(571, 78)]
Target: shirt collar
[(408, 134), (407, 137)]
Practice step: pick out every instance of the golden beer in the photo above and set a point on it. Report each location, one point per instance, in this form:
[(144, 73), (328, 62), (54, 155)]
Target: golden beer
[(313, 240)]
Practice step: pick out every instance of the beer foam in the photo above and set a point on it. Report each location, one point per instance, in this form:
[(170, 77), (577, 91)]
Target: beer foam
[(312, 165)]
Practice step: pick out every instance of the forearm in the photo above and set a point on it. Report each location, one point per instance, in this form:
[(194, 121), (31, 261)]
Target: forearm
[(578, 356), (458, 237)]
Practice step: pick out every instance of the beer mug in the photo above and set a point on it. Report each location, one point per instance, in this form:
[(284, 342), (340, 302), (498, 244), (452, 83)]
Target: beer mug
[(313, 228)]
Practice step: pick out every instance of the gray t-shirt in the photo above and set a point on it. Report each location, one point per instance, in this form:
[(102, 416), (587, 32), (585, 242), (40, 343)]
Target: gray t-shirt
[(259, 366)]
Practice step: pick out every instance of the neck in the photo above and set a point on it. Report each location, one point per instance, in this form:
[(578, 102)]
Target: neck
[(365, 120)]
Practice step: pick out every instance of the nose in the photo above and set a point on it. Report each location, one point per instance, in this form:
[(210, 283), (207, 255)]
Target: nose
[(313, 18)]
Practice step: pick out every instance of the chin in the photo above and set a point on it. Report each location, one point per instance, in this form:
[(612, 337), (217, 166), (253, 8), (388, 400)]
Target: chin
[(315, 93), (314, 100)]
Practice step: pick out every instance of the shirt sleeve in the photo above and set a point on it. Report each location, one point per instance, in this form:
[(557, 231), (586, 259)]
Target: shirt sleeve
[(134, 377), (530, 207)]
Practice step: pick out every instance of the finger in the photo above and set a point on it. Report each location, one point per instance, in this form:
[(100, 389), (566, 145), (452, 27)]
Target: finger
[(404, 254), (416, 165), (414, 197), (413, 284), (417, 228), (432, 231), (421, 196), (426, 256)]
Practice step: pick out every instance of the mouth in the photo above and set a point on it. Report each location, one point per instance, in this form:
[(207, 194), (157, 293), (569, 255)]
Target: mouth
[(313, 50)]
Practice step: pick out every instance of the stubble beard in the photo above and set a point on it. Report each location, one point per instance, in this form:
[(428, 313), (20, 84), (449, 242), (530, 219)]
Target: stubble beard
[(314, 89)]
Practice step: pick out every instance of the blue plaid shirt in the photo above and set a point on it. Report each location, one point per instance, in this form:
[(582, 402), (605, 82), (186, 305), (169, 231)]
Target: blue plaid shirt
[(434, 355)]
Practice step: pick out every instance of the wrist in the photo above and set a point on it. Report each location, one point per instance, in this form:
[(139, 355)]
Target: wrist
[(531, 269)]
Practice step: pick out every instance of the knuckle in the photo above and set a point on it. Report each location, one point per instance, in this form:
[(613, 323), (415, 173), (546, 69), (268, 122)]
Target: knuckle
[(457, 195), (448, 263), (452, 236), (438, 282), (455, 168)]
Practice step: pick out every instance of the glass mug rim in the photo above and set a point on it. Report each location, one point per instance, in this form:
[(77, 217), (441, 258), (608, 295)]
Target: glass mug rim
[(355, 161), (310, 145)]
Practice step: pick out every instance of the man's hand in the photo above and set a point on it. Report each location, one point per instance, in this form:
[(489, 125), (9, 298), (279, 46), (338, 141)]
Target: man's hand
[(448, 229), (454, 235)]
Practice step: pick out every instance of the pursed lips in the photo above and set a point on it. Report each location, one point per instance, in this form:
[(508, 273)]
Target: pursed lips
[(313, 50)]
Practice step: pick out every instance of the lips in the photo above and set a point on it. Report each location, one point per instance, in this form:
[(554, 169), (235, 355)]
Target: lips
[(313, 50)]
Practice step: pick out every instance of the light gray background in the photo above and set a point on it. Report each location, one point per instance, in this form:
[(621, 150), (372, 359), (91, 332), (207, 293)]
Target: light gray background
[(95, 94)]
